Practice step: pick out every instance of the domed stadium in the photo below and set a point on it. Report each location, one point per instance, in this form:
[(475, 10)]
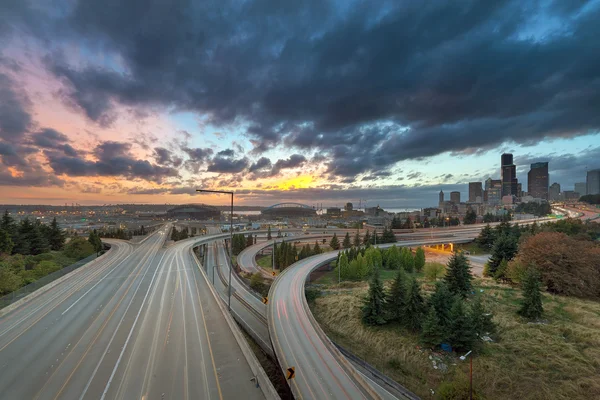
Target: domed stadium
[(289, 210), (194, 211)]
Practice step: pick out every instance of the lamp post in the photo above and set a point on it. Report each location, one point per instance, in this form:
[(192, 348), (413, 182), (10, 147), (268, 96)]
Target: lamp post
[(463, 358), (230, 241)]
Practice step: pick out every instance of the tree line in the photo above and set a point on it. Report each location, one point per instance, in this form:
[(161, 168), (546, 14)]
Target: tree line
[(183, 233), (358, 263), (29, 237)]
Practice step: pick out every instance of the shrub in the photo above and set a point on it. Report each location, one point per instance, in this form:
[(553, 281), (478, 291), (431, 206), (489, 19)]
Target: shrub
[(78, 248), (434, 270)]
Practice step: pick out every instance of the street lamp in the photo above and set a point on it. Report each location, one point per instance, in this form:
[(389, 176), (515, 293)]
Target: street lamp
[(463, 358), (230, 240)]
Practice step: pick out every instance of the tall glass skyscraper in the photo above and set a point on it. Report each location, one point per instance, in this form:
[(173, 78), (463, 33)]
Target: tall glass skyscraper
[(538, 180)]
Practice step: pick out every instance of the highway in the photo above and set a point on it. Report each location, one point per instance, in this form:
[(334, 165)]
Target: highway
[(139, 323)]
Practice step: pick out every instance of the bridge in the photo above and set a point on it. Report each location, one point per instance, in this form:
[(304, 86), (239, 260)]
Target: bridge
[(289, 210)]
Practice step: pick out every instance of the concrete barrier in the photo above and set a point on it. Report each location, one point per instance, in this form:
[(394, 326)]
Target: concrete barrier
[(262, 379)]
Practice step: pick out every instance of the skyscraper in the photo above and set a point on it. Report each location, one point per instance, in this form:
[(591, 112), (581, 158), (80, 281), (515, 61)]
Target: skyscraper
[(554, 192), (475, 192), (455, 197), (441, 202), (509, 175), (581, 188), (538, 180), (593, 181)]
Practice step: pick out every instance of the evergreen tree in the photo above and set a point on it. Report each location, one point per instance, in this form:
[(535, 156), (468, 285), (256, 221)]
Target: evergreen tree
[(95, 241), (501, 271), (8, 225), (396, 298), (346, 244), (531, 305), (356, 240), (458, 274), (470, 217), (488, 217), (373, 256), (249, 240), (486, 238), (462, 331), (505, 248), (174, 234), (269, 236), (393, 258), (415, 306), (482, 320), (6, 243), (388, 236), (373, 312), (344, 266), (419, 259), (432, 334), (441, 300), (407, 260), (317, 249), (56, 237), (334, 243), (367, 238)]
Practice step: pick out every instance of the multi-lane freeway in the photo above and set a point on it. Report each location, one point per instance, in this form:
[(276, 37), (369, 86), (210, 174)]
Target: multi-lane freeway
[(138, 323)]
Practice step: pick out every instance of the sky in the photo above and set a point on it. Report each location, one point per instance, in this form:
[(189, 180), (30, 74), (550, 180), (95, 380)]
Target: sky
[(317, 101)]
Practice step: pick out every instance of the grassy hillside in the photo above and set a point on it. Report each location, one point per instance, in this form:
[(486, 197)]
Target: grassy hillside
[(556, 359)]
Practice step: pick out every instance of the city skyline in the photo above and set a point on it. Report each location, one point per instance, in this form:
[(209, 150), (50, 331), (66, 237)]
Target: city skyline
[(365, 107)]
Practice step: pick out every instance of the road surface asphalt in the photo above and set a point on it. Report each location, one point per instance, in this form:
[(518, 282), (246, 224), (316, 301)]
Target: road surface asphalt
[(140, 323)]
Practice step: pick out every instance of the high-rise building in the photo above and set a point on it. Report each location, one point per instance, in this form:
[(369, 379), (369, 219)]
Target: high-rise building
[(519, 189), (593, 181), (494, 196), (538, 180), (581, 188), (441, 202), (508, 172), (455, 197), (348, 207), (475, 191), (554, 192)]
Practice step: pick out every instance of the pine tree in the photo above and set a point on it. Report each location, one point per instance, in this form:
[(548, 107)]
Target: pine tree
[(486, 238), (367, 238), (406, 259), (37, 241), (6, 243), (393, 258), (396, 298), (432, 334), (334, 243), (419, 259), (317, 249), (415, 306), (373, 312), (482, 320), (441, 300), (470, 217), (458, 274), (531, 305), (249, 240), (373, 256), (8, 225), (344, 266), (462, 331), (505, 248), (346, 244), (56, 237), (269, 236), (174, 234), (356, 240)]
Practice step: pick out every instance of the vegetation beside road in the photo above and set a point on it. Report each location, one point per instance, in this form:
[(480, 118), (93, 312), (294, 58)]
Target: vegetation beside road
[(30, 250), (557, 358)]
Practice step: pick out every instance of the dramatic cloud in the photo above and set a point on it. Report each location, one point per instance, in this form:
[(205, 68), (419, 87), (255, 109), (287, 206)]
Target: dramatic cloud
[(227, 165), (51, 139), (15, 120)]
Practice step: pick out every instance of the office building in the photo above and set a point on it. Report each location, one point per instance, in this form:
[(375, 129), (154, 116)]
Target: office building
[(455, 197), (568, 195), (508, 172), (475, 191), (538, 180), (581, 188), (519, 190), (348, 207), (441, 202), (554, 192), (593, 181)]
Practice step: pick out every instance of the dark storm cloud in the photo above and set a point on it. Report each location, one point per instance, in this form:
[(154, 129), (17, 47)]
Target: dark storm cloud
[(198, 154), (15, 120), (113, 159), (367, 87), (262, 163), (52, 139), (166, 157), (226, 153), (228, 165), (294, 161)]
